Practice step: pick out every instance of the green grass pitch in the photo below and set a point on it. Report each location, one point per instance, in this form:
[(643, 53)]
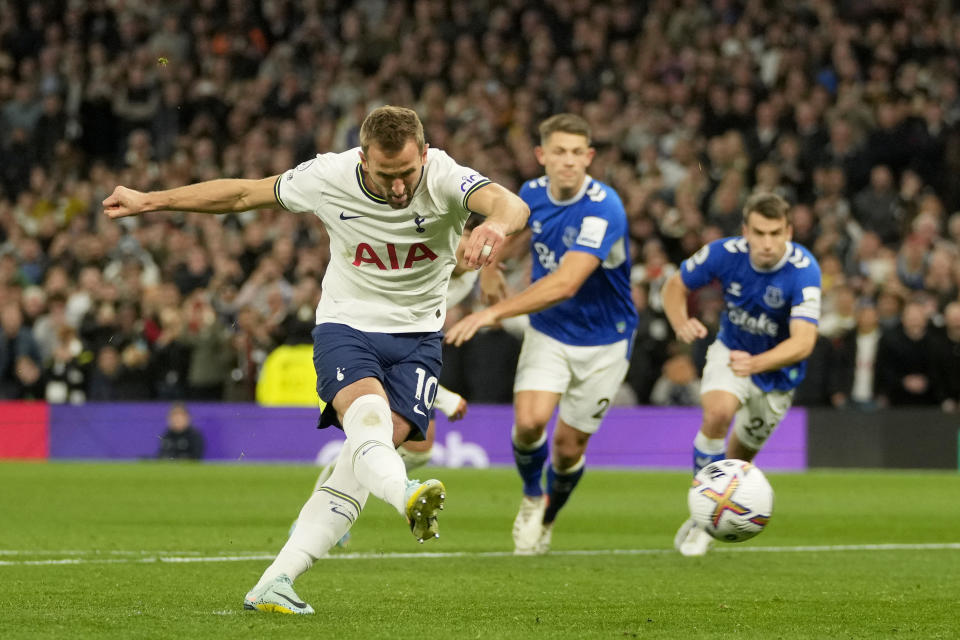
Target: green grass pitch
[(151, 550)]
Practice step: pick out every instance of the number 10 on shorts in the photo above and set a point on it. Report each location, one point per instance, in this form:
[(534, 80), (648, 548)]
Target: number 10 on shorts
[(426, 388)]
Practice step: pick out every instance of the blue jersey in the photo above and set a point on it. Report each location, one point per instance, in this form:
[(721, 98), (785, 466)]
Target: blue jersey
[(593, 221), (759, 304)]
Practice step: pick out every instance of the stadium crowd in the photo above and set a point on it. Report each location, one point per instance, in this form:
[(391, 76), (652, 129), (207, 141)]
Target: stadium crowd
[(849, 110)]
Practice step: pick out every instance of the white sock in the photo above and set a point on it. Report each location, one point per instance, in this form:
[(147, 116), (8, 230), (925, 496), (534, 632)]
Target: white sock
[(324, 475), (326, 516), (713, 446), (527, 447), (377, 465)]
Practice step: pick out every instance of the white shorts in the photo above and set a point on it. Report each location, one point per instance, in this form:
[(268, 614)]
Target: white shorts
[(586, 378), (760, 411)]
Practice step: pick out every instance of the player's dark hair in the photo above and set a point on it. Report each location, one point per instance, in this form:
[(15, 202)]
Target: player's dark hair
[(390, 128), (565, 123), (768, 205)]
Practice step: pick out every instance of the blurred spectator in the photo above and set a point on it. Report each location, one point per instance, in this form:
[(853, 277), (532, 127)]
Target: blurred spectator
[(889, 308), (678, 385), (948, 360), (870, 263), (29, 379), (33, 306), (83, 298), (194, 273), (839, 314), (941, 277), (66, 376), (650, 345), (693, 107), (875, 207), (299, 318), (249, 347), (16, 344), (170, 361), (912, 263), (853, 366), (47, 328), (105, 377), (814, 390), (906, 360), (181, 440), (209, 342)]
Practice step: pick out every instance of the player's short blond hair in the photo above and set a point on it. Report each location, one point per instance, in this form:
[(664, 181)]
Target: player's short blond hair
[(768, 205), (565, 123), (390, 128)]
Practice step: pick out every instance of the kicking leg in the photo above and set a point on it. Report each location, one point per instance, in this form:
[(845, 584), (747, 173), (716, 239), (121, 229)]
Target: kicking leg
[(323, 520), (371, 440)]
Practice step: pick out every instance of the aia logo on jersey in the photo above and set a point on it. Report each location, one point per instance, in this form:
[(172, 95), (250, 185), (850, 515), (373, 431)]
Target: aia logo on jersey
[(416, 252)]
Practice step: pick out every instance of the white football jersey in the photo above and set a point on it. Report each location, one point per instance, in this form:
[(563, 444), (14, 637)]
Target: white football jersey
[(389, 268)]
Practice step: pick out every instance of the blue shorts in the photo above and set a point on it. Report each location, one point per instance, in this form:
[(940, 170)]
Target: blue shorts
[(406, 364)]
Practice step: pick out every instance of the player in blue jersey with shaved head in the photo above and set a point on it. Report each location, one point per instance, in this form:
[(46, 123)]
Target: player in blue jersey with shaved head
[(772, 293), (582, 319)]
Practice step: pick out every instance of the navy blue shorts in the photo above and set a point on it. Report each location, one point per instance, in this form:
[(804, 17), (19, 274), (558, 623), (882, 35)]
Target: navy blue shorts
[(406, 364)]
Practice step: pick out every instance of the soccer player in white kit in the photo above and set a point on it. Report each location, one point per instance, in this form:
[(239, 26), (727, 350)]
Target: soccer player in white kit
[(772, 294), (576, 350), (394, 210)]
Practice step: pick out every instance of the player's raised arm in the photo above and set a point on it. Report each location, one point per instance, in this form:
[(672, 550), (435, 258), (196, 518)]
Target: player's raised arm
[(562, 284), (675, 294), (505, 214), (212, 196)]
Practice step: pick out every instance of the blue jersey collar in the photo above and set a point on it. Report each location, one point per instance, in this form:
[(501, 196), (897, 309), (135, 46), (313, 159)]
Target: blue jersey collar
[(564, 203), (782, 261)]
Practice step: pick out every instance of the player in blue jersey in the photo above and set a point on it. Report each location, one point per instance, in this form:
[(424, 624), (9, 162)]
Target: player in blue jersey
[(772, 293), (576, 350)]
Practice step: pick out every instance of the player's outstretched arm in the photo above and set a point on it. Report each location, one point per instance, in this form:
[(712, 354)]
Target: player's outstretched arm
[(675, 294), (505, 214), (562, 284), (799, 346), (212, 196)]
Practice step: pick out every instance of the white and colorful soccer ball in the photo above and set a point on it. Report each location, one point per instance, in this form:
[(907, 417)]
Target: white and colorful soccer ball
[(731, 500)]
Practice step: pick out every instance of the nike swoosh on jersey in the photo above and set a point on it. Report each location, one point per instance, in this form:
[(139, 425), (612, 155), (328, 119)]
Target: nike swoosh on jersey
[(344, 216), (416, 409)]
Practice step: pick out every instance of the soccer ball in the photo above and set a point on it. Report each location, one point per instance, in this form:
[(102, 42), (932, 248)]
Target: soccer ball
[(731, 500)]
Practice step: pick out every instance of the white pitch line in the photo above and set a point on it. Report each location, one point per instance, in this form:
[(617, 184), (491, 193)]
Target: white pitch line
[(88, 552), (147, 557)]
